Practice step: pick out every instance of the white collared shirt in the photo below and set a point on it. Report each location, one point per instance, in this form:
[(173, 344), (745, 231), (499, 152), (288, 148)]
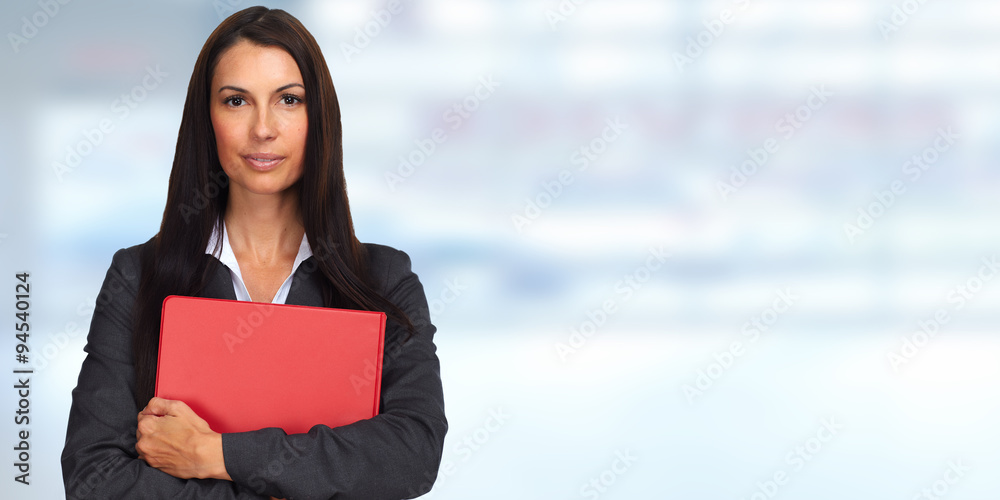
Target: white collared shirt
[(228, 258)]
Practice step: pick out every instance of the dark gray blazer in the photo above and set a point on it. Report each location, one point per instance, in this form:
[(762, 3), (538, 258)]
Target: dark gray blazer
[(391, 456)]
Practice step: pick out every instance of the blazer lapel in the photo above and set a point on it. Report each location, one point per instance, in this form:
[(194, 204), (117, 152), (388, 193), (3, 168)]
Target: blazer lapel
[(306, 290), (220, 282)]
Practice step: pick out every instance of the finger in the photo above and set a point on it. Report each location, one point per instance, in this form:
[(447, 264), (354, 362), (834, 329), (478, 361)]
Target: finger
[(149, 422), (159, 406), (154, 406)]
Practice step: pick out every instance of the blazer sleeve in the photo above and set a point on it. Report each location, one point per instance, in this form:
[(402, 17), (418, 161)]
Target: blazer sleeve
[(394, 455), (99, 458)]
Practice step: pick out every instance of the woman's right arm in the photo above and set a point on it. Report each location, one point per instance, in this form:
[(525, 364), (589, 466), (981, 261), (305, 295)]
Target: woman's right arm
[(99, 459)]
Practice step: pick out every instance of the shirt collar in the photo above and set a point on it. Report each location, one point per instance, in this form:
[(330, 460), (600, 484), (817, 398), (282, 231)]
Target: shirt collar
[(228, 258)]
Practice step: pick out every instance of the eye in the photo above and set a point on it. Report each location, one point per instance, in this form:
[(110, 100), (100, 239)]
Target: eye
[(234, 101), (290, 99)]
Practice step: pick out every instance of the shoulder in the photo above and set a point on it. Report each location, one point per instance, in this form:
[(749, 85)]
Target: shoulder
[(126, 262), (111, 324), (135, 251), (387, 266), (126, 266), (391, 275), (384, 255)]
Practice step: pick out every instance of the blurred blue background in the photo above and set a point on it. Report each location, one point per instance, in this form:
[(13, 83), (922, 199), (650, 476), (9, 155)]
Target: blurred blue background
[(626, 190)]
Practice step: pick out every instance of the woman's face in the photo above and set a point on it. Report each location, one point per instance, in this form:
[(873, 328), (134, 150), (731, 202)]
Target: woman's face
[(259, 116)]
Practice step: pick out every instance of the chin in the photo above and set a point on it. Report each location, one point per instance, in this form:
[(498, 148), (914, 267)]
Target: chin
[(272, 191), (264, 188)]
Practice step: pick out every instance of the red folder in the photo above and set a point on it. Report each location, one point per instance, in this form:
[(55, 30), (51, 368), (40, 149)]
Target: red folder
[(243, 366)]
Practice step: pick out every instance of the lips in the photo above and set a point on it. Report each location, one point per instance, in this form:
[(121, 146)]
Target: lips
[(263, 161)]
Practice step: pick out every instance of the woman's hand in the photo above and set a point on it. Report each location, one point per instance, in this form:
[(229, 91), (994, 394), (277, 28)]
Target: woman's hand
[(175, 440)]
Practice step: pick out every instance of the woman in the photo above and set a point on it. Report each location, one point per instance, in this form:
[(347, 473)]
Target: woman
[(256, 210)]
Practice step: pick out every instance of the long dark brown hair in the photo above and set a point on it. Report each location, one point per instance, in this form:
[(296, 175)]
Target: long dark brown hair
[(176, 264)]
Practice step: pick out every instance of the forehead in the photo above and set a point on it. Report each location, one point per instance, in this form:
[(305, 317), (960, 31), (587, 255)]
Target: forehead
[(248, 65)]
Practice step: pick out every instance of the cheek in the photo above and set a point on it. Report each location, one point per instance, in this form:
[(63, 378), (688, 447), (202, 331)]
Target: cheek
[(218, 128), (226, 146), (225, 136), (300, 136), (298, 124)]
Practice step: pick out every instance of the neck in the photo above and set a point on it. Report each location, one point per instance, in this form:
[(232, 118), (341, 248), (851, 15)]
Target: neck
[(264, 228)]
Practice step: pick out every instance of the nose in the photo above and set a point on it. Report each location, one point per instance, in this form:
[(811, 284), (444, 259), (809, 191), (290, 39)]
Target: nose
[(264, 127)]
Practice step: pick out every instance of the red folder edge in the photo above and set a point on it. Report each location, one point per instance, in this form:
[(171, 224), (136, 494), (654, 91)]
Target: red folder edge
[(378, 362)]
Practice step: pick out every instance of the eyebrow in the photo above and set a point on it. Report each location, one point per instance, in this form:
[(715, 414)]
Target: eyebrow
[(245, 91)]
